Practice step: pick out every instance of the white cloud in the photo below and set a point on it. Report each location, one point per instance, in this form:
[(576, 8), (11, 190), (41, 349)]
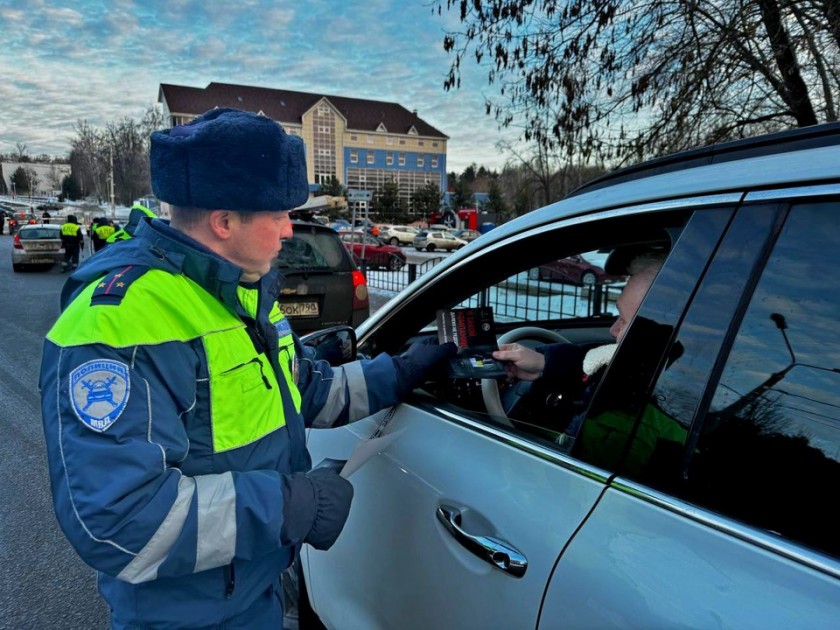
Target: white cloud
[(69, 60)]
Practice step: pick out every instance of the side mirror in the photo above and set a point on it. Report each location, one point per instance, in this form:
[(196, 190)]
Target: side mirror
[(336, 345)]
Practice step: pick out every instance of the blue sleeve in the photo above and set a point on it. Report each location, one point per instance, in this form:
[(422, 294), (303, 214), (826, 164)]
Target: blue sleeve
[(332, 396)]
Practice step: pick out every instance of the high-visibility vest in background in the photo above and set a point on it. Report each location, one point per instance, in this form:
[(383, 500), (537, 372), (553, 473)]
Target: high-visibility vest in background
[(135, 216)]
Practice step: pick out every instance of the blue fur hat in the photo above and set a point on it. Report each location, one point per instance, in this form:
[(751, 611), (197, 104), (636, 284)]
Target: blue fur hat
[(228, 159)]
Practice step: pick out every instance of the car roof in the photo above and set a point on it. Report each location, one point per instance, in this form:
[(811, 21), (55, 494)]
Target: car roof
[(809, 165)]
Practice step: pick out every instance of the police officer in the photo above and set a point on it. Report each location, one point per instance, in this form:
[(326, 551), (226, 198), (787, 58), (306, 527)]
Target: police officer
[(102, 230), (175, 394), (72, 241)]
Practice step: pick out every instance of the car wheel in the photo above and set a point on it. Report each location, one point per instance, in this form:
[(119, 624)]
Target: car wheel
[(17, 267), (588, 279), (394, 241), (396, 263), (430, 247), (534, 274)]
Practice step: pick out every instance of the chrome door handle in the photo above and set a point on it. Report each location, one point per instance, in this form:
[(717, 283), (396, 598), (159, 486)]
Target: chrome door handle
[(497, 552)]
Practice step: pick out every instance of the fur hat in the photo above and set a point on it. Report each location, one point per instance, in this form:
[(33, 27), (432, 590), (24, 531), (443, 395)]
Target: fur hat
[(228, 159)]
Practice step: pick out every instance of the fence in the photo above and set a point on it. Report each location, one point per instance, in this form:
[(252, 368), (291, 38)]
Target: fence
[(519, 298)]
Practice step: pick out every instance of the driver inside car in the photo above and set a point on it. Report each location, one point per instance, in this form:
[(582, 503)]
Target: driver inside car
[(567, 367)]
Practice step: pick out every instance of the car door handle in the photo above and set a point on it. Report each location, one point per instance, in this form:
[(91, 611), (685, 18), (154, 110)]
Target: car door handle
[(497, 552)]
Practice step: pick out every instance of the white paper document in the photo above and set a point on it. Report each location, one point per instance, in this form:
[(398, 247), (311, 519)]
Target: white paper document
[(367, 449)]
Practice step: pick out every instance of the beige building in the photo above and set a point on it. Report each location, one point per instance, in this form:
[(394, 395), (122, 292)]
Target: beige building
[(362, 143)]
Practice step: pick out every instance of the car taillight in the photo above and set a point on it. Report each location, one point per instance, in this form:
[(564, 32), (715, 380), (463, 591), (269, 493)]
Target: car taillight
[(360, 290), (16, 243)]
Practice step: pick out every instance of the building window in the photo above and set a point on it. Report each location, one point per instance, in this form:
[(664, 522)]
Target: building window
[(370, 139), (389, 140), (389, 159), (434, 144), (402, 159), (420, 160), (434, 162), (370, 158), (354, 137), (402, 141), (354, 157), (324, 152), (421, 143)]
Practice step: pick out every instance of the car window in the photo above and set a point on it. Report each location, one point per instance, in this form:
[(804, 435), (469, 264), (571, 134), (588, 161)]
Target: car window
[(770, 444), (524, 303), (311, 251), (37, 233)]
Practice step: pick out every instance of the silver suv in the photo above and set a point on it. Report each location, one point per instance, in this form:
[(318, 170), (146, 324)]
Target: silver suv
[(682, 477)]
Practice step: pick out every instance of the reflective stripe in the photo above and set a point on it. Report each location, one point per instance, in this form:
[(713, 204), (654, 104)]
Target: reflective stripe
[(359, 404), (335, 402), (216, 521), (145, 565)]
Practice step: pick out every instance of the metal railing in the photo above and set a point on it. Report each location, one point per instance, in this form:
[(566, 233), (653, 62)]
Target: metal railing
[(519, 298)]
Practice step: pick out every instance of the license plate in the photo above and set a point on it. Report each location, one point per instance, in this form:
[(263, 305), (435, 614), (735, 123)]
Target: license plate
[(38, 261), (300, 309)]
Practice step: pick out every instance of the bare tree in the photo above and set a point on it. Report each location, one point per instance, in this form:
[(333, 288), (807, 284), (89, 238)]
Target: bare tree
[(624, 79), (21, 154)]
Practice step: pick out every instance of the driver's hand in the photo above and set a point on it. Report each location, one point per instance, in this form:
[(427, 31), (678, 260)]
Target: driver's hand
[(520, 362)]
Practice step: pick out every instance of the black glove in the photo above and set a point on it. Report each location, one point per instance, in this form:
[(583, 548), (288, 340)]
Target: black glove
[(315, 507), (416, 362)]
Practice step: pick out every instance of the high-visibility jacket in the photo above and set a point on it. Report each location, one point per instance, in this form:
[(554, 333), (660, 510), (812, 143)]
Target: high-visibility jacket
[(104, 231), (71, 235), (174, 401)]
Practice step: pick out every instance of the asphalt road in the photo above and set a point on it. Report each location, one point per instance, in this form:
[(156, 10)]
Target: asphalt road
[(43, 584)]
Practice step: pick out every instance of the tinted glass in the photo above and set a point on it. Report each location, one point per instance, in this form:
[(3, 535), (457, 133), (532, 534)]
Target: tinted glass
[(39, 233), (769, 451), (312, 251)]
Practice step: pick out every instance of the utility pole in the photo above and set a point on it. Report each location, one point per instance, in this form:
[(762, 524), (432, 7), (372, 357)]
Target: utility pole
[(111, 179)]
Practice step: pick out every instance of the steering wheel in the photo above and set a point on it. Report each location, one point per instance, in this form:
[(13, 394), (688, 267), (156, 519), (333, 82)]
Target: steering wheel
[(490, 387)]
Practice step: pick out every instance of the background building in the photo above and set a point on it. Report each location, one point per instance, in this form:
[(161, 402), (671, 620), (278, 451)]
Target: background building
[(45, 178), (362, 143)]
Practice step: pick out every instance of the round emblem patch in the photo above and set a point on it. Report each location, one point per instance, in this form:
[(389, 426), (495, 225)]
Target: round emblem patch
[(99, 392)]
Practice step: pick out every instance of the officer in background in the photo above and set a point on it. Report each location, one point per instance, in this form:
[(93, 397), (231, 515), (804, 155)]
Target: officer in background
[(72, 241), (138, 211), (102, 230), (175, 395)]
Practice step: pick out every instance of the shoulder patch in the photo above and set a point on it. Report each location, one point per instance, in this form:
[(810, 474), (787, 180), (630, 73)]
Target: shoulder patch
[(282, 327), (99, 392), (113, 287)]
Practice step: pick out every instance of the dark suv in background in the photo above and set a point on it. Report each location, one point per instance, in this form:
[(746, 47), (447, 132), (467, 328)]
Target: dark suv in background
[(323, 286)]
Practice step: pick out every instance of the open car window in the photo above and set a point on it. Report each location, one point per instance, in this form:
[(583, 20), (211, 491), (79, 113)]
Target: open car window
[(555, 284)]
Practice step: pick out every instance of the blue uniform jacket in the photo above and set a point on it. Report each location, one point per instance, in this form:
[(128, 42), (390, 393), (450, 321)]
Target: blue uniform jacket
[(183, 535)]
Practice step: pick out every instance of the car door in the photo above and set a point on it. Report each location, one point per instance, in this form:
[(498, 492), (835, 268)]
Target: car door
[(453, 484), (734, 525)]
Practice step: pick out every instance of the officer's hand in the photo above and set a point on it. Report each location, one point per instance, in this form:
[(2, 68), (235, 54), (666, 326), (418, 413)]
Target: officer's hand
[(416, 362), (315, 507)]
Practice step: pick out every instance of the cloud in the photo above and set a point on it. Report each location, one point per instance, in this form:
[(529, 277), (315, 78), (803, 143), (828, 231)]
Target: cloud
[(84, 59)]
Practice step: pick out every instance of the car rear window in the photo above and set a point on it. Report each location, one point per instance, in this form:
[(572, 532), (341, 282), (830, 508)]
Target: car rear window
[(37, 233), (312, 251)]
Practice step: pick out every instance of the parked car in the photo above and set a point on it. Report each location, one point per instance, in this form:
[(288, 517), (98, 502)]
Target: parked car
[(467, 234), (430, 240), (38, 244), (573, 270), (373, 250), (471, 518), (323, 286), (16, 218), (398, 234)]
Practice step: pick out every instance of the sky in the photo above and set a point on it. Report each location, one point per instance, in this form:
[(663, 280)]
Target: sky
[(100, 61)]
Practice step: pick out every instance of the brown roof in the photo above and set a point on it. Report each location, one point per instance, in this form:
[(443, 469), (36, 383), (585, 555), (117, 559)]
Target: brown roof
[(286, 106)]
